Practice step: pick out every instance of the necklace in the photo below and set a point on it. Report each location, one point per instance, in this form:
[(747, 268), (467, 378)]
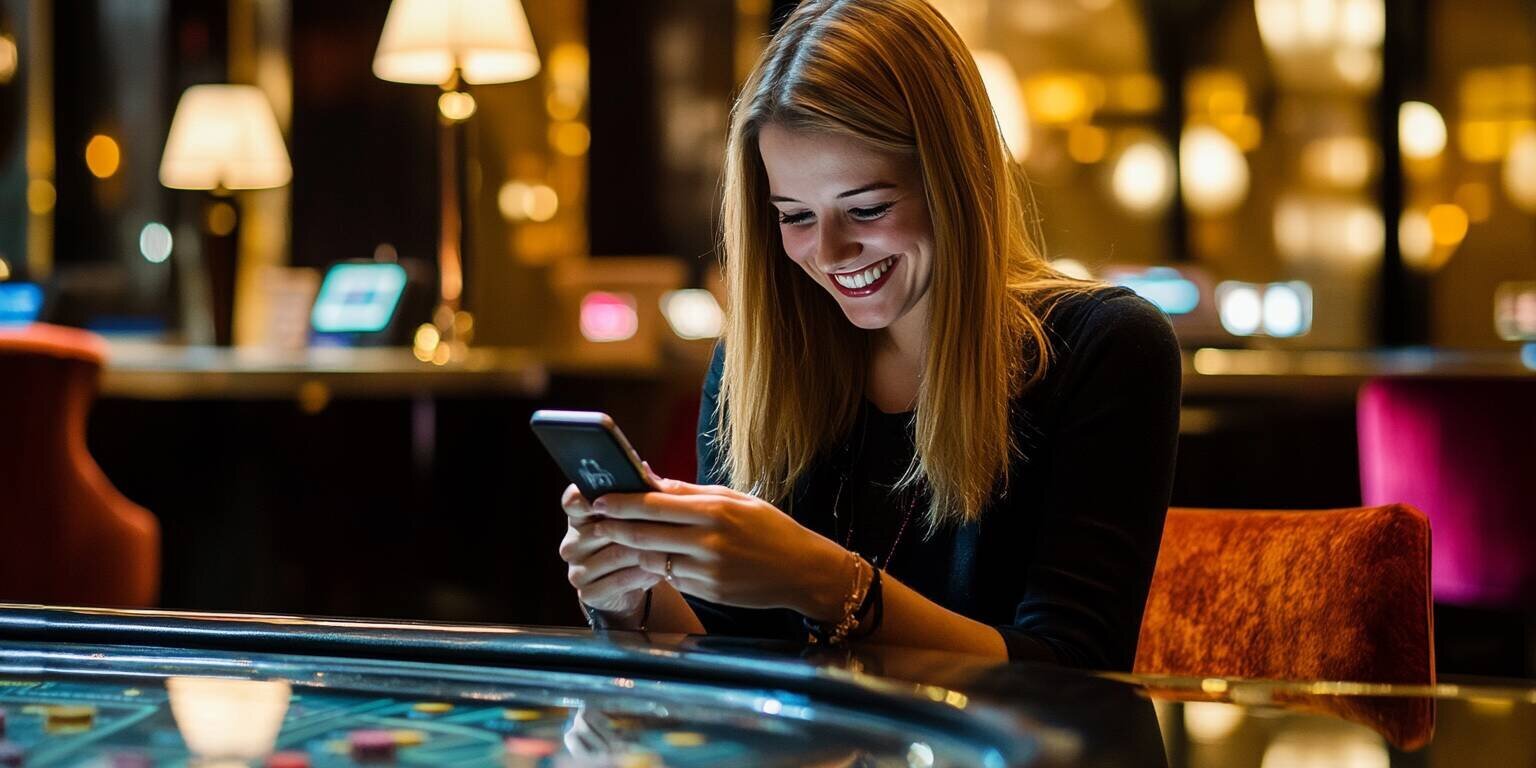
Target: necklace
[(846, 470)]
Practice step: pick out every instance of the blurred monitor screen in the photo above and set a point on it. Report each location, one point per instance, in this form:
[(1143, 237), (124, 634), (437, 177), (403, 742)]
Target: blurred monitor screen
[(358, 298), (20, 303)]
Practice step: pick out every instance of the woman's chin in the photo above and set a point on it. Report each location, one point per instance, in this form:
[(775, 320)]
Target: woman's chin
[(865, 319)]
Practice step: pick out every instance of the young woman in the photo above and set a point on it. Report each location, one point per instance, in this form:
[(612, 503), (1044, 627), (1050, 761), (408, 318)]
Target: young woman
[(914, 432)]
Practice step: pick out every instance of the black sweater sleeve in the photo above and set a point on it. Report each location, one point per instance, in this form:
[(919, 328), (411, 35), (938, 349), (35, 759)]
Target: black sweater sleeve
[(1107, 479)]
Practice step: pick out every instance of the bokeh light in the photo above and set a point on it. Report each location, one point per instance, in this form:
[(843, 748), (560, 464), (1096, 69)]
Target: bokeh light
[(1240, 308), (456, 105), (693, 313), (608, 317), (1142, 180), (155, 242), (1420, 130), (1520, 171), (102, 156), (1007, 99), (1212, 171)]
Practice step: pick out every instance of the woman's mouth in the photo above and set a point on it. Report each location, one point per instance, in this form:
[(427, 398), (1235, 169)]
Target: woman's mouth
[(865, 281)]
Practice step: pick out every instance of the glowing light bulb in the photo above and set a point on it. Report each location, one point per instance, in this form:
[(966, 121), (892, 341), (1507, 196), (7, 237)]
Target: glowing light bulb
[(1420, 130), (1143, 177), (1212, 171)]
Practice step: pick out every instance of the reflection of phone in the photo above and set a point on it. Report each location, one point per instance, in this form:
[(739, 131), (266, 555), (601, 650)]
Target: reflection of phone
[(591, 451)]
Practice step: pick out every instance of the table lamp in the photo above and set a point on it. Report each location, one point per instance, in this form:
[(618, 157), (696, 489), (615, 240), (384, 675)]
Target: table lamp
[(223, 138), (449, 43)]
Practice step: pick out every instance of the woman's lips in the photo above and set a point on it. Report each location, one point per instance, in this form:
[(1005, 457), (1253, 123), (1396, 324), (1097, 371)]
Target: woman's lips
[(872, 287)]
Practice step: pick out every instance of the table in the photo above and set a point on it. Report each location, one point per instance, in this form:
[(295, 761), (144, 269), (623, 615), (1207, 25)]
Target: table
[(145, 687)]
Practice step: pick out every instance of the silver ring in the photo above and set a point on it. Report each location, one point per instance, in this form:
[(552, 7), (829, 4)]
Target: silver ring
[(667, 570)]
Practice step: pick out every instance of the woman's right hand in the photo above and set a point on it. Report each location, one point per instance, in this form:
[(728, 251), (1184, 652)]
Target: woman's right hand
[(607, 576)]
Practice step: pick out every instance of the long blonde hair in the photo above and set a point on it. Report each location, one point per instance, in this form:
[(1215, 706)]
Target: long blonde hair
[(894, 75)]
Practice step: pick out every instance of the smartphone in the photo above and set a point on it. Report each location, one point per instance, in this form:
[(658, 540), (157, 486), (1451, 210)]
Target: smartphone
[(591, 451)]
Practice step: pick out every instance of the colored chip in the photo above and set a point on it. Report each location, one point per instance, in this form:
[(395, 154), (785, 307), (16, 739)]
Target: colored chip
[(408, 737), (71, 713), (522, 715), (11, 754), (67, 718), (288, 760), (130, 760), (683, 739), (2, 723), (372, 746), (524, 747), (433, 708)]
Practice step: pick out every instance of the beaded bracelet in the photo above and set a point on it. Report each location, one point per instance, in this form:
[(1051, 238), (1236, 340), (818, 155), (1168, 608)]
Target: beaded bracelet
[(852, 605), (875, 600)]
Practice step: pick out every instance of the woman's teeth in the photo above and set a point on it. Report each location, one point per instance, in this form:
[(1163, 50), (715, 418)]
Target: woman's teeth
[(861, 279)]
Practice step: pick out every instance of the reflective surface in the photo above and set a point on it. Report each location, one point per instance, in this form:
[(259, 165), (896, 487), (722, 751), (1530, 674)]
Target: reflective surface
[(86, 687)]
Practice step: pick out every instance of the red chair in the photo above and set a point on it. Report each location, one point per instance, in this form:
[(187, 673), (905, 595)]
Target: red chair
[(69, 536), (1338, 595)]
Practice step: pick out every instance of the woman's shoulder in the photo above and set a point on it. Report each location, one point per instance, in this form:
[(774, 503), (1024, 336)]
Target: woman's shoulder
[(1106, 314), (1107, 332)]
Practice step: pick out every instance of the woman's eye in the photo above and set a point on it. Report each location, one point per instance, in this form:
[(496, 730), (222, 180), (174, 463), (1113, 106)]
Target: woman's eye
[(871, 213), (795, 218)]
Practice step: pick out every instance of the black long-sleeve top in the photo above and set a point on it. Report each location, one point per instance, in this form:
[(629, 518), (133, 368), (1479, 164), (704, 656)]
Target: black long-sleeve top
[(1061, 561)]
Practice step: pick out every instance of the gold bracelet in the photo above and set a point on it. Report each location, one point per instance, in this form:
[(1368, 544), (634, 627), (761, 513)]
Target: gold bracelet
[(851, 603)]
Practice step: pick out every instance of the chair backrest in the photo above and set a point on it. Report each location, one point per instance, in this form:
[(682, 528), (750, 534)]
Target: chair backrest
[(1311, 595), (70, 537), (1464, 452)]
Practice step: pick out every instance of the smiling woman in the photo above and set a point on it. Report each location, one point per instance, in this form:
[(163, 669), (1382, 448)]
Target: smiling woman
[(915, 431)]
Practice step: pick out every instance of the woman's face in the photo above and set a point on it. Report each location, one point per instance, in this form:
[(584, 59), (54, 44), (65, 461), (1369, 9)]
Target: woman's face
[(854, 218)]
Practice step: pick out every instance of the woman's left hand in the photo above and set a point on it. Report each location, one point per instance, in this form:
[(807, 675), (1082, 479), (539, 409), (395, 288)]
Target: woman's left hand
[(728, 547)]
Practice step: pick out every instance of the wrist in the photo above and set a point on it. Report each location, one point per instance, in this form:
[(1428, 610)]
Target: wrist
[(827, 578)]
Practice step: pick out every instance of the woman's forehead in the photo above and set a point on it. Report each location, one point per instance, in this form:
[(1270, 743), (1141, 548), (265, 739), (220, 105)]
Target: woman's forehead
[(817, 162)]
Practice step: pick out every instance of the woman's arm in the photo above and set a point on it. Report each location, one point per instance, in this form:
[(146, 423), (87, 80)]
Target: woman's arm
[(910, 620)]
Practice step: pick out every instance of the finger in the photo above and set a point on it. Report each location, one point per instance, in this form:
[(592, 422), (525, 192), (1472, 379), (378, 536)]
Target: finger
[(682, 487), (683, 566), (697, 509), (617, 583), (575, 505), (580, 542), (662, 537), (603, 562)]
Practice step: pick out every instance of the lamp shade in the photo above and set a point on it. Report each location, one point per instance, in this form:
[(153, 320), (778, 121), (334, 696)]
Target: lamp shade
[(224, 136), (424, 41)]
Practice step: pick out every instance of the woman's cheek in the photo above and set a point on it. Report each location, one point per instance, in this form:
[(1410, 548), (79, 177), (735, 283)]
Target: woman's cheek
[(796, 244)]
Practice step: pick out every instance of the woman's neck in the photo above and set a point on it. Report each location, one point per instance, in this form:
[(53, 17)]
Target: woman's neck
[(896, 362)]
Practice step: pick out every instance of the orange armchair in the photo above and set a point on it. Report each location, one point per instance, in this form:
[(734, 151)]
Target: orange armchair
[(1320, 595), (70, 537)]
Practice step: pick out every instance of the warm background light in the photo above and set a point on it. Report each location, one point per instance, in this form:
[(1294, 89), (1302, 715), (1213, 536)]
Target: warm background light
[(486, 41), (1143, 177), (1520, 172), (1420, 130), (1007, 101), (102, 156), (456, 105), (8, 59), (1212, 171), (224, 136)]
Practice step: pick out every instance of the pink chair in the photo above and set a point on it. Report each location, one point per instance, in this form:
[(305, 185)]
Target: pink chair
[(70, 537), (1463, 452)]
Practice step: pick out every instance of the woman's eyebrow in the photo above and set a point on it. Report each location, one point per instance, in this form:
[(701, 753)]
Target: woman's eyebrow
[(850, 193)]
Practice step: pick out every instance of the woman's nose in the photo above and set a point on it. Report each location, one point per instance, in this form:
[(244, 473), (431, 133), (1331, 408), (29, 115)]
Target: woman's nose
[(834, 249)]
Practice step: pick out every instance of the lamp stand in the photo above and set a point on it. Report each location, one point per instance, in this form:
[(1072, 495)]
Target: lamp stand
[(455, 327)]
